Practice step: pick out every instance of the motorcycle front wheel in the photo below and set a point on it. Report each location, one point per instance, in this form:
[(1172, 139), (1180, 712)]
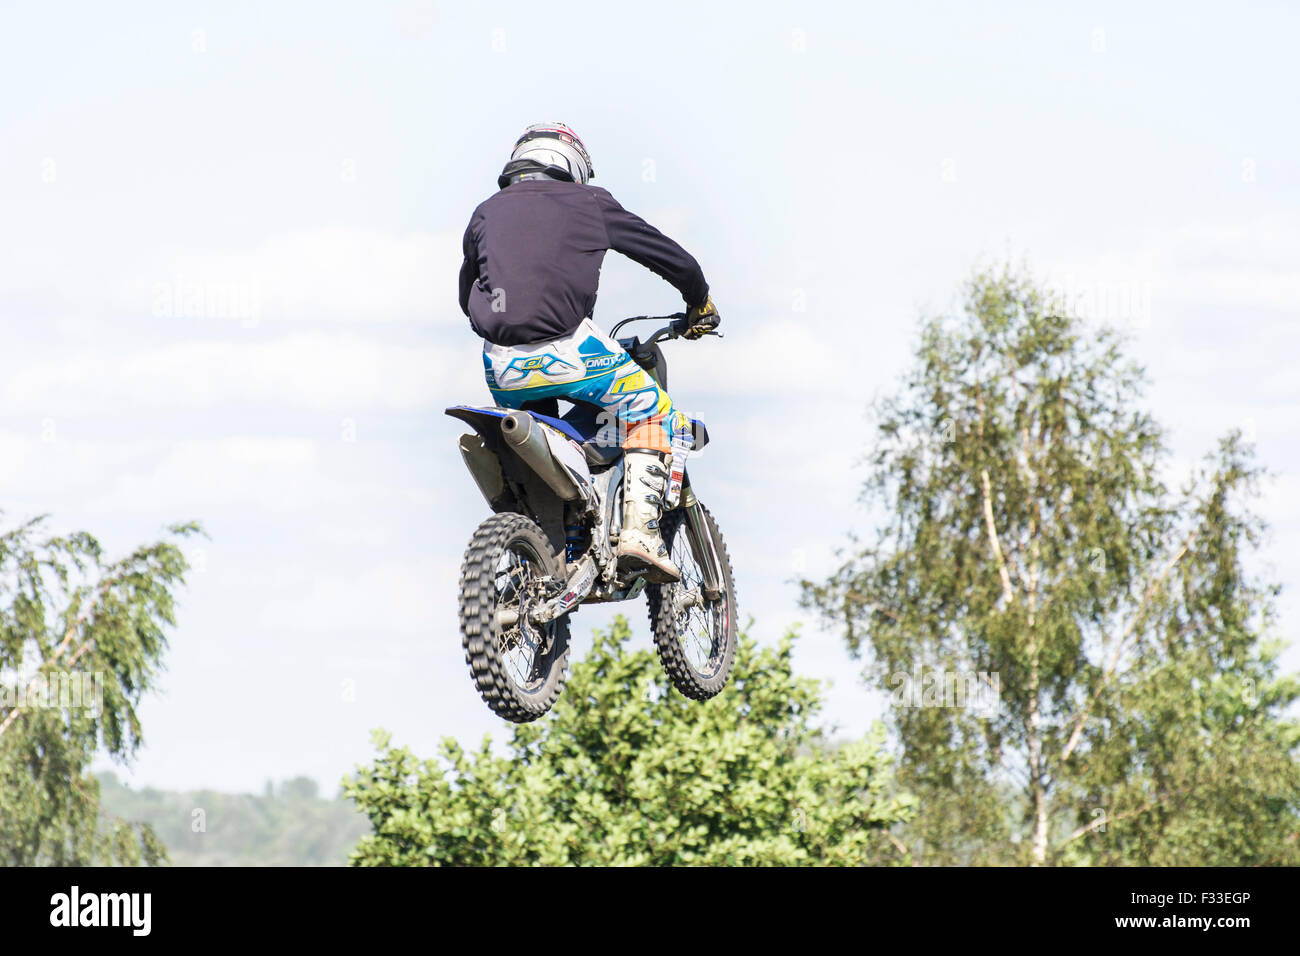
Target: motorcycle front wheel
[(695, 635)]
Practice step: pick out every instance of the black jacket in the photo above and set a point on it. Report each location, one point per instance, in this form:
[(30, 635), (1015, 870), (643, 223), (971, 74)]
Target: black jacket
[(533, 253)]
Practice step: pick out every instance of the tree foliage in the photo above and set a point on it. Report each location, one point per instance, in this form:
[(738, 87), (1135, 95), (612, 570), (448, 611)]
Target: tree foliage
[(626, 771), (81, 640), (1028, 534)]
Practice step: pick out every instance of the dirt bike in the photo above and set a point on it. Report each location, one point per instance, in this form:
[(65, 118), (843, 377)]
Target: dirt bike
[(555, 485)]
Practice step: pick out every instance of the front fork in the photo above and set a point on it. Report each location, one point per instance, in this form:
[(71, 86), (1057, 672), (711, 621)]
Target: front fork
[(701, 542)]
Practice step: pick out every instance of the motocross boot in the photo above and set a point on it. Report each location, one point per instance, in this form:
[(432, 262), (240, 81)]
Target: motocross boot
[(640, 545)]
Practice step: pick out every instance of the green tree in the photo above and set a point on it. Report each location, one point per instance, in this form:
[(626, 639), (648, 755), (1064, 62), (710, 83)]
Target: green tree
[(625, 771), (81, 639), (1027, 534)]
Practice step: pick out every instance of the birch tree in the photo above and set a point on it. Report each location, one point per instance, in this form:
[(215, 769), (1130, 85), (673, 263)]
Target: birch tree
[(1027, 534), (81, 640)]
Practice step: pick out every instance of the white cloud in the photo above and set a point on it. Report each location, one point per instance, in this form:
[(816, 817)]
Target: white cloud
[(334, 273), (416, 597), (188, 478), (782, 356), (280, 475), (55, 467), (1153, 276), (304, 370), (31, 267)]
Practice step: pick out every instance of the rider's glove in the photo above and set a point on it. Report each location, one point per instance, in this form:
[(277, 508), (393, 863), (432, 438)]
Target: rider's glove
[(702, 319)]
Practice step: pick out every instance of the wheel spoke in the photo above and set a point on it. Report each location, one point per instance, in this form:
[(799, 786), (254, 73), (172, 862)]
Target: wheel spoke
[(701, 628), (694, 636), (517, 666), (521, 646)]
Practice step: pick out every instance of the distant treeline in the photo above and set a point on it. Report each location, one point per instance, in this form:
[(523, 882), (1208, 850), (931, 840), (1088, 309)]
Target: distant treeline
[(288, 824)]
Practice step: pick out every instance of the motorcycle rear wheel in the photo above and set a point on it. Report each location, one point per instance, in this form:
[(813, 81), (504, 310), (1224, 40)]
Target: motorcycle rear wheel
[(518, 667)]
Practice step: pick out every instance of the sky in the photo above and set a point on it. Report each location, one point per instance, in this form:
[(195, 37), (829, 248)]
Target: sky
[(230, 233)]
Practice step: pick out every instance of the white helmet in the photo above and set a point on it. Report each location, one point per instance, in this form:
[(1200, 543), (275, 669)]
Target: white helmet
[(550, 149)]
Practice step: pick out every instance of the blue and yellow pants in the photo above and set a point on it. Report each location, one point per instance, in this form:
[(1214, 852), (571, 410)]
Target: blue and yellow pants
[(585, 366)]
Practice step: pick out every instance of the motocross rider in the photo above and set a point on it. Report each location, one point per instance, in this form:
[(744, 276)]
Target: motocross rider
[(533, 252)]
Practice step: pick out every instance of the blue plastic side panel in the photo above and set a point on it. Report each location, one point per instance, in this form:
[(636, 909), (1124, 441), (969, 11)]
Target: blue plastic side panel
[(559, 424)]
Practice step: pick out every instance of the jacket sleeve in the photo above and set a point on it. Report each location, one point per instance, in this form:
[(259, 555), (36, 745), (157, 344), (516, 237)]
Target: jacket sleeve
[(643, 243), (468, 268)]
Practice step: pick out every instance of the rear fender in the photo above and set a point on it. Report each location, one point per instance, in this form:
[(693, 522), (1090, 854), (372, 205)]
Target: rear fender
[(485, 467), (505, 481), (488, 460), (484, 420)]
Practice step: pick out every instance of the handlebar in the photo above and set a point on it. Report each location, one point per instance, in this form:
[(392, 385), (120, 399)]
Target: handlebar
[(676, 327)]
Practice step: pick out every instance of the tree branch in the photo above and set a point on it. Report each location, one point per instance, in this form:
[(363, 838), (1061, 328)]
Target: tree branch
[(901, 848), (1077, 733), (73, 629), (992, 529), (1103, 820)]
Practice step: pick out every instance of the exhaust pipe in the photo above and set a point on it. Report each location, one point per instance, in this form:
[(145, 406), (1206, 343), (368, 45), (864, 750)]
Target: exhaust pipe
[(524, 435)]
